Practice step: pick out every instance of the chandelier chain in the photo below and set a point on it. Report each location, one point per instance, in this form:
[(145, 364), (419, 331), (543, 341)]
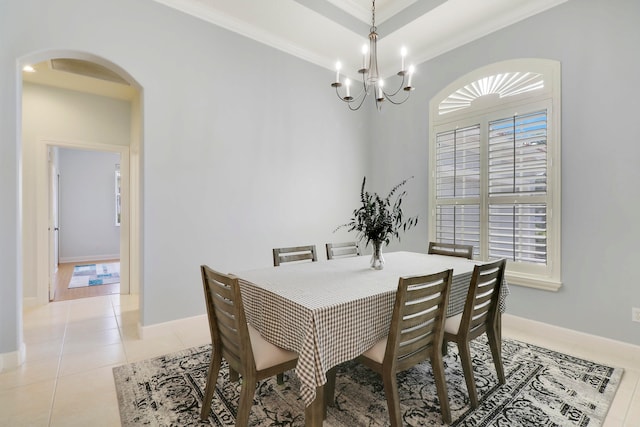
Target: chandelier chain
[(373, 15)]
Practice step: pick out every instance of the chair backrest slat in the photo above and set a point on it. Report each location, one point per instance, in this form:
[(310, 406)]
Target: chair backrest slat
[(408, 348), (226, 321), (414, 332), (294, 253), (482, 300), (415, 315), (451, 249), (341, 250), (295, 257)]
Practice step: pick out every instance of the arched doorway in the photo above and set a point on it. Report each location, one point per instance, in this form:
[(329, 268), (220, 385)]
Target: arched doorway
[(81, 73)]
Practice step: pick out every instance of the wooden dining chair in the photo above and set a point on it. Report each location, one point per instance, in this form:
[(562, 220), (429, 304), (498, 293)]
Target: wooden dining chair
[(481, 314), (242, 346), (294, 253), (451, 249), (415, 334), (342, 250)]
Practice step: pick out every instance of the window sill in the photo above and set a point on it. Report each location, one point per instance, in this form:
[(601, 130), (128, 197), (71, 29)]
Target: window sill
[(531, 281)]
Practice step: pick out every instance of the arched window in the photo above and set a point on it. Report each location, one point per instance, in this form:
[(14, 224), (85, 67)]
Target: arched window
[(494, 162)]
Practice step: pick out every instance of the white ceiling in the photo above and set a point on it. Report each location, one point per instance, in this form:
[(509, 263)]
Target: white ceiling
[(326, 31)]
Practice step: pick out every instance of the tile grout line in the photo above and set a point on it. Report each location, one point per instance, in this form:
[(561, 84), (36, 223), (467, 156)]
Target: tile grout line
[(120, 327), (55, 383)]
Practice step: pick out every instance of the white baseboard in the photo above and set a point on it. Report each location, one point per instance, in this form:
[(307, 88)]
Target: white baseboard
[(13, 359), (532, 328), (569, 337), (160, 329), (89, 258)]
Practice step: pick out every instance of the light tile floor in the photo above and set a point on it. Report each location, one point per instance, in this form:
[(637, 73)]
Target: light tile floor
[(73, 345)]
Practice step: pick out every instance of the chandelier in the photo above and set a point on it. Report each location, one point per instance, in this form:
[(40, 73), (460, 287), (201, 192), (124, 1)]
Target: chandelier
[(372, 83)]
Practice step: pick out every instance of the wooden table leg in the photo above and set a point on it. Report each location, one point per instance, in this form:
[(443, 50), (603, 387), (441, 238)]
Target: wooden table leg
[(330, 389), (314, 413)]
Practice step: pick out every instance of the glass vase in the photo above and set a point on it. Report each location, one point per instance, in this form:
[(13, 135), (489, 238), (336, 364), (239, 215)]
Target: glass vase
[(377, 260)]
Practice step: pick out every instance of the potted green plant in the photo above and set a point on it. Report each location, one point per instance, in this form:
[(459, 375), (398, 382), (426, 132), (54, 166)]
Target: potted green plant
[(378, 220)]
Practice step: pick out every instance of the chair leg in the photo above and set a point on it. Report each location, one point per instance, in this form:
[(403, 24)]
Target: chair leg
[(212, 378), (280, 378), (233, 375), (495, 344), (445, 347), (393, 400), (467, 368), (441, 386), (247, 392)]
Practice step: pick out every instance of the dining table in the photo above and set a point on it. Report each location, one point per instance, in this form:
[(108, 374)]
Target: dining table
[(331, 311)]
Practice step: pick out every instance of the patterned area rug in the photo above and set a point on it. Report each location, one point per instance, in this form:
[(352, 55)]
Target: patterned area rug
[(95, 274), (543, 388)]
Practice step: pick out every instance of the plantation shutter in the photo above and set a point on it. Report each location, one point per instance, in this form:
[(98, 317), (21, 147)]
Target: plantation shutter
[(518, 154), (458, 163), (517, 188), (458, 186), (458, 224)]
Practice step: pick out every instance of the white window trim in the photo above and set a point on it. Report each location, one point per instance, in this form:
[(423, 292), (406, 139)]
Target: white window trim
[(549, 96)]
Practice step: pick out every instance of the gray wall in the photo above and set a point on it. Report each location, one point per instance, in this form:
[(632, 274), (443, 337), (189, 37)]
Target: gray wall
[(242, 151), (87, 206), (237, 158), (596, 43)]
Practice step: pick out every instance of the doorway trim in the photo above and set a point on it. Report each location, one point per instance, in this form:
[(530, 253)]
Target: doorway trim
[(42, 207)]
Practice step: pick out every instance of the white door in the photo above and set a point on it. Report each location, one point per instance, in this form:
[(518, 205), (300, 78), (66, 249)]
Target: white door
[(54, 226)]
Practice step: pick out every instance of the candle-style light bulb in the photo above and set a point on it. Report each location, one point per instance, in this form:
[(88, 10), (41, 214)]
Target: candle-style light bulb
[(347, 83), (338, 67), (411, 70), (380, 85), (365, 49), (403, 54)]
